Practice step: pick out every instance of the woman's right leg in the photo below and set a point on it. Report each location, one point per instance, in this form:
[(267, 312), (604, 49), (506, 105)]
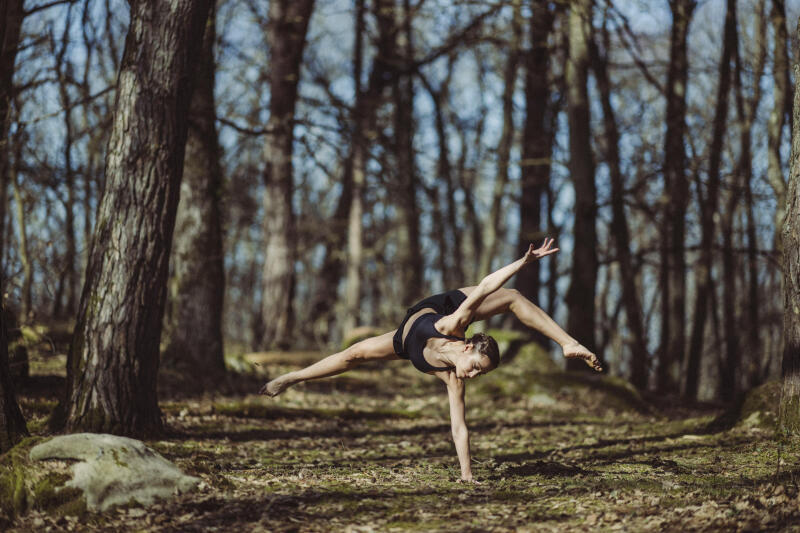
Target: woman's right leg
[(530, 314), (372, 349)]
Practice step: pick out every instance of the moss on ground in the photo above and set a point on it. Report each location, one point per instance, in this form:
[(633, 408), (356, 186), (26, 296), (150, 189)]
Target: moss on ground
[(374, 452), (35, 485)]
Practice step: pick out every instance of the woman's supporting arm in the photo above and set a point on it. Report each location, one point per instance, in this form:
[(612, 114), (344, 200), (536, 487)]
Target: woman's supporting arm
[(458, 423)]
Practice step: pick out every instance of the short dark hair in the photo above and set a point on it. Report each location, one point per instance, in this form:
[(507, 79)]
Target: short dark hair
[(487, 346)]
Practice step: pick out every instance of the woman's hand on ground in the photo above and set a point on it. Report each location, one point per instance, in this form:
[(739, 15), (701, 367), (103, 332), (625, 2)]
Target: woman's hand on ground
[(537, 253)]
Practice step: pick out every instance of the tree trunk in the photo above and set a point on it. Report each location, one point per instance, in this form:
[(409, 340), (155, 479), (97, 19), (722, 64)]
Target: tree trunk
[(403, 95), (676, 183), (781, 91), (492, 228), (11, 15), (364, 117), (286, 36), (12, 424), (69, 266), (537, 145), (581, 294), (789, 409), (709, 209), (26, 300), (195, 330), (347, 209), (358, 174), (619, 222), (113, 358), (746, 110)]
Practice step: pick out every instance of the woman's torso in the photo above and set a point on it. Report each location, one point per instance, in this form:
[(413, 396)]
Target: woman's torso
[(422, 340)]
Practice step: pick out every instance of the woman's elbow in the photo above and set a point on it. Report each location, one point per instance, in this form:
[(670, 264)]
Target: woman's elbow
[(460, 432)]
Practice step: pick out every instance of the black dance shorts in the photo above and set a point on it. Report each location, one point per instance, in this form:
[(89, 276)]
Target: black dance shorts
[(444, 303)]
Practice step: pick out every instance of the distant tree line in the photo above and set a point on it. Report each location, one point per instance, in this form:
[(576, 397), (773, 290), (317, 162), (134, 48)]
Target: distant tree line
[(269, 175)]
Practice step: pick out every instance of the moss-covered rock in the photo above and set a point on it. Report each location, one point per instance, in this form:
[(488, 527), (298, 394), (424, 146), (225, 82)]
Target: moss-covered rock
[(112, 470), (27, 485), (758, 408)]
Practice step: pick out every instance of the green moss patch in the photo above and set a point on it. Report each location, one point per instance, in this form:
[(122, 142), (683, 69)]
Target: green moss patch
[(26, 485)]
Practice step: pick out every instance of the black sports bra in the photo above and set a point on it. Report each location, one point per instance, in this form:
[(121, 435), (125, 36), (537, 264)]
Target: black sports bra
[(421, 330)]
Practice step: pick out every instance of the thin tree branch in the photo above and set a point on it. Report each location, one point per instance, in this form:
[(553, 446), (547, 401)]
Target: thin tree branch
[(48, 5)]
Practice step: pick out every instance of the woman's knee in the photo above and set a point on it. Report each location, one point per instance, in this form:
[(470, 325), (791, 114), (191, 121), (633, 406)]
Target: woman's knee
[(515, 299), (354, 355), (380, 347)]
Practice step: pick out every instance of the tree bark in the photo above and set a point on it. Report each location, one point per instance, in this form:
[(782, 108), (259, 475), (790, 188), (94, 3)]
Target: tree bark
[(26, 299), (746, 110), (358, 174), (195, 330), (789, 409), (674, 290), (781, 91), (12, 423), (286, 36), (619, 221), (709, 209), (537, 145), (11, 14), (581, 294), (113, 358), (70, 276), (403, 96), (364, 118)]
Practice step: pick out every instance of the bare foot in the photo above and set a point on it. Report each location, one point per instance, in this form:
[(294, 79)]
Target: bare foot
[(579, 351), (275, 387)]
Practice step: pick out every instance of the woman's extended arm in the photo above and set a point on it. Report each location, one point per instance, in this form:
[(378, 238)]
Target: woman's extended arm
[(458, 423), (463, 315)]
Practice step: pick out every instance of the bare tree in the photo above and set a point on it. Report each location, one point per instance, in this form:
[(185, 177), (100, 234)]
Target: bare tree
[(746, 112), (113, 358), (11, 13), (403, 146), (619, 221), (195, 329), (492, 229), (789, 409), (708, 208), (781, 104), (676, 186), (286, 36), (537, 142), (582, 288)]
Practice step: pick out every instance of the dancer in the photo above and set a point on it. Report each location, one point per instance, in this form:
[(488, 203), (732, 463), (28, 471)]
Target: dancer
[(431, 336)]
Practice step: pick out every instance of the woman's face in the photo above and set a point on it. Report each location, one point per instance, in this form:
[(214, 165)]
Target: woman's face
[(472, 363)]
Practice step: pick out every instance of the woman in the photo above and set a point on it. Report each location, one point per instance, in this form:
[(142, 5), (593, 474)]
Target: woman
[(431, 336)]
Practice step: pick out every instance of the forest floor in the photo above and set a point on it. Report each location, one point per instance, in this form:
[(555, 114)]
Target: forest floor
[(371, 451)]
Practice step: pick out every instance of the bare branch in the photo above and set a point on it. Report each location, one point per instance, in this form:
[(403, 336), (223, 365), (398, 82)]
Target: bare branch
[(48, 5)]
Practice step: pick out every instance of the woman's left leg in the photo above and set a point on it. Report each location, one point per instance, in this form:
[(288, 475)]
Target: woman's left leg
[(530, 314), (372, 349)]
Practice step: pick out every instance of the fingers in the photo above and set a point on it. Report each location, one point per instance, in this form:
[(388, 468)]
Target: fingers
[(544, 249)]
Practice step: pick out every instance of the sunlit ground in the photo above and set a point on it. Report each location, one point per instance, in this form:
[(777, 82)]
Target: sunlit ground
[(371, 450)]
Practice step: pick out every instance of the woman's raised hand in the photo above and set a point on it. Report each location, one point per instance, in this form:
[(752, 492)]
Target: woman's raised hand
[(537, 253)]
